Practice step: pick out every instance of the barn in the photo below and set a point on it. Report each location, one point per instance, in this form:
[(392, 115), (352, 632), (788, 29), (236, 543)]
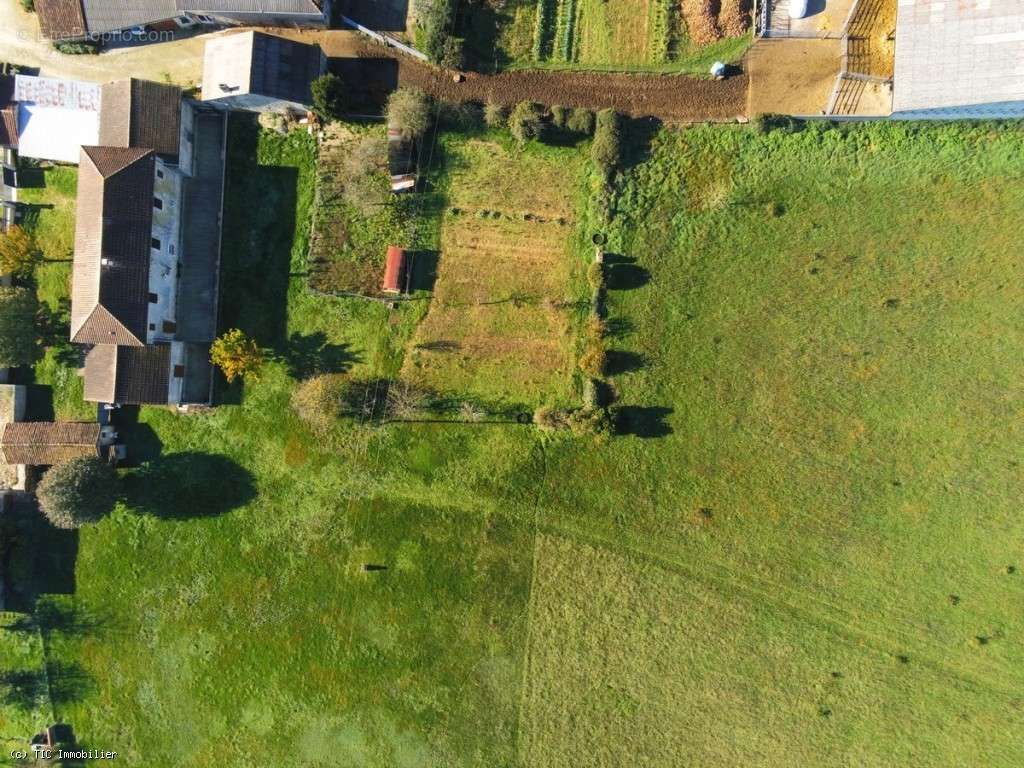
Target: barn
[(957, 60)]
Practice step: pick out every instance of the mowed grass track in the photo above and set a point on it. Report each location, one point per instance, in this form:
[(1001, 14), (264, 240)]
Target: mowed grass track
[(827, 335), (500, 324)]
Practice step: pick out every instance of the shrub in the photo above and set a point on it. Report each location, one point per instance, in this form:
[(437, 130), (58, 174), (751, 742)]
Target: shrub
[(28, 5), (549, 419), (320, 401), (591, 393), (595, 275), (77, 492), (606, 148), (526, 121), (581, 120), (495, 115), (329, 97), (465, 116), (77, 49), (589, 421), (580, 421), (18, 310), (452, 53), (406, 401), (594, 360), (559, 115), (236, 355), (408, 111), (18, 252)]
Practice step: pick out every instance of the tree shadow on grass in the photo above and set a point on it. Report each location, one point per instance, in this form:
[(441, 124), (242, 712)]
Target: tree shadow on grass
[(641, 421), (61, 683), (181, 486), (626, 277), (22, 689), (69, 682), (310, 354), (620, 361), (640, 133)]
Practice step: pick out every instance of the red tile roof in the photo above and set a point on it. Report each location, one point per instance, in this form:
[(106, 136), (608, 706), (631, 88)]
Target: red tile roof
[(394, 270)]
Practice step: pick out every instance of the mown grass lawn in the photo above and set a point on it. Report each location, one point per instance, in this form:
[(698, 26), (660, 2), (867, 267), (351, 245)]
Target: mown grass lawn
[(804, 551)]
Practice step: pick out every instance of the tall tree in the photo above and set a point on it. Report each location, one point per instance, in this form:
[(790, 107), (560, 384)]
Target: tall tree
[(18, 252), (408, 111), (329, 97), (77, 492), (237, 355)]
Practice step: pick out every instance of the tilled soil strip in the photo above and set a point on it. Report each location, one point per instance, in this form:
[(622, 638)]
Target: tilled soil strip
[(674, 98)]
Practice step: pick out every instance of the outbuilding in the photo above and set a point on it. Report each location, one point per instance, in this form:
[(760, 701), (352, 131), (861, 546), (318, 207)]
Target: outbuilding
[(395, 269)]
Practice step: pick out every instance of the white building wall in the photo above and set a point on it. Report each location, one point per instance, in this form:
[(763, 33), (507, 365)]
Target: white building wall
[(165, 248)]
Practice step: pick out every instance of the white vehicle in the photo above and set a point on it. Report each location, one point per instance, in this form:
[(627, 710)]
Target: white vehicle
[(797, 9)]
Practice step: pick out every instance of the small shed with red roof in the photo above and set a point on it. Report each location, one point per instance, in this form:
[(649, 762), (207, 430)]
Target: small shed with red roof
[(395, 269)]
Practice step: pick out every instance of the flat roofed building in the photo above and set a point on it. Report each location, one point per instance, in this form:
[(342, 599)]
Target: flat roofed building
[(959, 59), (56, 118), (260, 72)]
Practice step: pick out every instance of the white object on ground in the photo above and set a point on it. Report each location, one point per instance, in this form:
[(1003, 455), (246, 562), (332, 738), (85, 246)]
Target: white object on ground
[(797, 9)]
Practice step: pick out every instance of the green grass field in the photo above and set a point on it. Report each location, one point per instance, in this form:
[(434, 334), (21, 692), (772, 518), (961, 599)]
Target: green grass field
[(803, 550)]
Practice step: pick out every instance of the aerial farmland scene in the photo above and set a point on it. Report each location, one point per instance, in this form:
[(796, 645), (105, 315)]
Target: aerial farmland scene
[(512, 383)]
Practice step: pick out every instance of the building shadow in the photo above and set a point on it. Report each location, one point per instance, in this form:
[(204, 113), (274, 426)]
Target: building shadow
[(423, 275), (259, 226), (140, 438), (368, 81), (380, 15), (31, 177), (310, 354), (641, 421), (182, 486)]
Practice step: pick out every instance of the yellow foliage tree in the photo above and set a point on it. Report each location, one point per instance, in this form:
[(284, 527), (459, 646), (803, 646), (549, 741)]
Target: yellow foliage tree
[(237, 355), (18, 252)]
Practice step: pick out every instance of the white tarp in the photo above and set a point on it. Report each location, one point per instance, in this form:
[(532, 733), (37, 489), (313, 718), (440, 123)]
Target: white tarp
[(56, 118)]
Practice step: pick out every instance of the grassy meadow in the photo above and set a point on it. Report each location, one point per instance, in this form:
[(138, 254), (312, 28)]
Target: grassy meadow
[(803, 547)]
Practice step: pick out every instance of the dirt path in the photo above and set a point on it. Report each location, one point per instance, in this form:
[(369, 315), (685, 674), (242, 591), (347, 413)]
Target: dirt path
[(668, 97)]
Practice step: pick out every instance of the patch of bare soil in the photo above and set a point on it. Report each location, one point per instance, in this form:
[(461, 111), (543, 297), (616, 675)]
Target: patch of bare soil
[(792, 76)]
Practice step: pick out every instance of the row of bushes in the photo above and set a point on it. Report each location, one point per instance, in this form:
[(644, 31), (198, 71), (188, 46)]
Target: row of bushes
[(566, 28), (664, 21), (544, 29)]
